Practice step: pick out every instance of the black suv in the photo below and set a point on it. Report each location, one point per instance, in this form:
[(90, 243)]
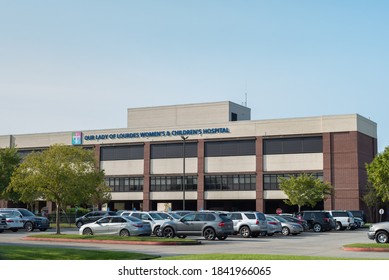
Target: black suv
[(318, 220), (93, 217)]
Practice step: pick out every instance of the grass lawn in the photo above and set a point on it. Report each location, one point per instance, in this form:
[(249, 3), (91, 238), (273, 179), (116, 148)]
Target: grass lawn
[(367, 245), (49, 253), (248, 257)]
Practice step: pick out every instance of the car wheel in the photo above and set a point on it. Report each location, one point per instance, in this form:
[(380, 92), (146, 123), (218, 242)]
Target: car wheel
[(87, 231), (222, 237), (28, 226), (124, 232), (317, 228), (168, 232), (79, 224), (285, 231), (209, 233), (245, 231), (382, 237), (157, 231), (14, 230)]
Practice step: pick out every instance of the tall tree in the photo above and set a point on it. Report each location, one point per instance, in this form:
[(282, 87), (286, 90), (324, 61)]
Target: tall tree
[(304, 190), (378, 174), (9, 160), (66, 175)]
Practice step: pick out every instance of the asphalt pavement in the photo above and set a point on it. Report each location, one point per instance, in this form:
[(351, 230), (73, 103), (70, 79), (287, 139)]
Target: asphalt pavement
[(326, 244)]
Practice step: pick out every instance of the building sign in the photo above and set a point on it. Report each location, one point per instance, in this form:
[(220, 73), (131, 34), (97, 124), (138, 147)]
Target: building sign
[(76, 138), (149, 134)]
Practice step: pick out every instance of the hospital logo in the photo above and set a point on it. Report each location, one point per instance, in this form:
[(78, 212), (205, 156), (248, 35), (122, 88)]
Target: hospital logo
[(76, 138)]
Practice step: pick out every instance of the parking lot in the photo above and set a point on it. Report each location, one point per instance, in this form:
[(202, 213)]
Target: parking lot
[(307, 244)]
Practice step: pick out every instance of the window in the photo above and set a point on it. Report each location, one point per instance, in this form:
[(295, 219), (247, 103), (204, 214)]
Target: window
[(272, 181), (294, 145), (244, 182), (130, 152), (125, 184), (229, 148), (172, 183), (173, 150)]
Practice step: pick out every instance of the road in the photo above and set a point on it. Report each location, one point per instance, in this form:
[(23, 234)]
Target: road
[(307, 244)]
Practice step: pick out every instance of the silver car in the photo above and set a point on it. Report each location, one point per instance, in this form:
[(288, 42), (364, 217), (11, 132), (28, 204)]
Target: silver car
[(273, 226), (116, 225), (207, 224), (154, 219), (379, 232), (288, 227), (249, 223)]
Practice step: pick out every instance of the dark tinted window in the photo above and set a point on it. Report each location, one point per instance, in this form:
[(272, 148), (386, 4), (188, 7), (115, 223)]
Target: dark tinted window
[(295, 145), (229, 148), (235, 216), (122, 152), (173, 150), (250, 216)]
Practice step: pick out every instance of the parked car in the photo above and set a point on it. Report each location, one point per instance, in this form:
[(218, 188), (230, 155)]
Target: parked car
[(207, 224), (359, 223), (116, 225), (318, 220), (13, 221), (273, 226), (3, 223), (30, 221), (170, 216), (181, 213), (359, 214), (302, 222), (93, 216), (288, 227), (344, 219), (154, 219), (249, 223), (379, 232)]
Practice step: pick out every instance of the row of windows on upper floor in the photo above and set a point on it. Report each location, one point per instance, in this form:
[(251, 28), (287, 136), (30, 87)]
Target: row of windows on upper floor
[(215, 148), (241, 182)]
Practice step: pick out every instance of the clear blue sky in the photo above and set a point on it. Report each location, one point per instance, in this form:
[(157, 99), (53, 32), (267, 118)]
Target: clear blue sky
[(78, 65)]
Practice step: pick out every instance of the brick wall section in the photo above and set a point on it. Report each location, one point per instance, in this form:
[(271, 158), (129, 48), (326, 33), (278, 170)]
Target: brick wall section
[(200, 173), (146, 180), (259, 202), (345, 170), (327, 168), (367, 149)]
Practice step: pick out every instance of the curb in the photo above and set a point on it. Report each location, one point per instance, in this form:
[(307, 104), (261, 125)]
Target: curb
[(112, 241), (356, 249)]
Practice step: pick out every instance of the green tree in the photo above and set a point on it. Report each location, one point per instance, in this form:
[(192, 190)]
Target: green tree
[(66, 175), (304, 190), (378, 174), (372, 201), (9, 160)]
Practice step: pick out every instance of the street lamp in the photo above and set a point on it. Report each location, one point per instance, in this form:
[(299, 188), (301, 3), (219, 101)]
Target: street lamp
[(183, 170)]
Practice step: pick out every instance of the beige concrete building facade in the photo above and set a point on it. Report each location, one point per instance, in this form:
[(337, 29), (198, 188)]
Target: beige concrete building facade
[(213, 156)]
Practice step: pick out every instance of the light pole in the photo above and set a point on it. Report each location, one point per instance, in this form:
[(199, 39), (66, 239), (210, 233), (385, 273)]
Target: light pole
[(183, 170)]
